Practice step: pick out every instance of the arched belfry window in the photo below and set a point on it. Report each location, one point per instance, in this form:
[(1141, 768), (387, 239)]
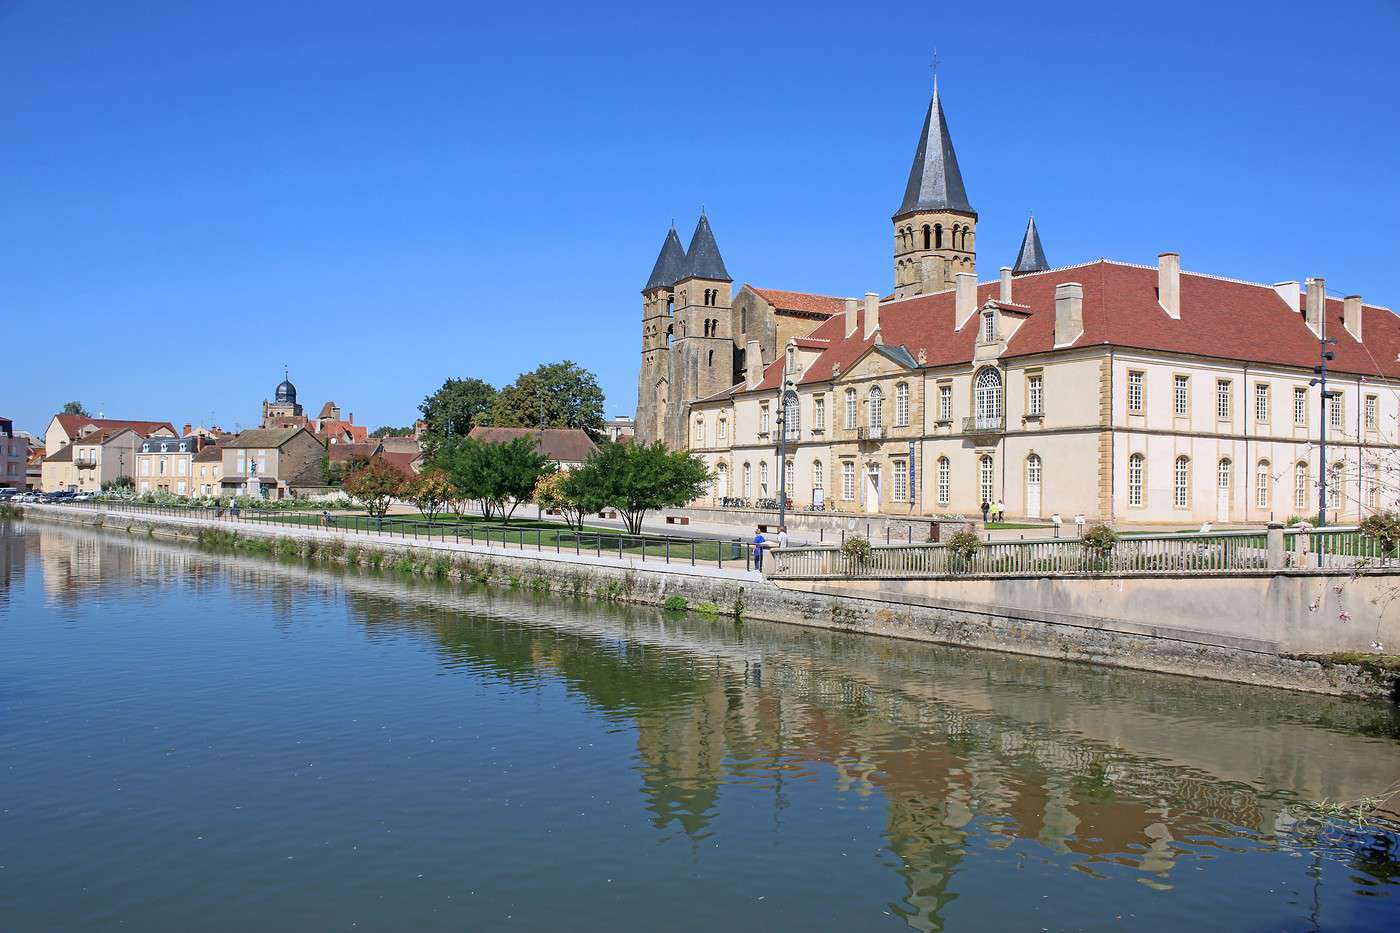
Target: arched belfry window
[(938, 236), (927, 236)]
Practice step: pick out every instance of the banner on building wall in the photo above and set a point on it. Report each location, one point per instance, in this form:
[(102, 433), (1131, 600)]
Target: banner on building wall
[(912, 472)]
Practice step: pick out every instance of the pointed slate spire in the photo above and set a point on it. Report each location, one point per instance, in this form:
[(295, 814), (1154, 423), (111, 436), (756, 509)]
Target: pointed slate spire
[(1031, 258), (935, 183), (669, 262), (702, 259)]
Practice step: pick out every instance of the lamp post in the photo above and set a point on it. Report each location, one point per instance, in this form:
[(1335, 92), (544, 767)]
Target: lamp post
[(1320, 379), (785, 397)]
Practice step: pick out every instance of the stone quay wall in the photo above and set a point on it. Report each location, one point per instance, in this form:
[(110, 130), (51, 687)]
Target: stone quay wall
[(1221, 644)]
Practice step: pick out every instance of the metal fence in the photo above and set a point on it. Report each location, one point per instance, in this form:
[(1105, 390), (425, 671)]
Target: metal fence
[(734, 553), (1339, 548)]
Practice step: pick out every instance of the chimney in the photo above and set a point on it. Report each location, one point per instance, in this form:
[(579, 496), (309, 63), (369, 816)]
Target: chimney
[(1351, 315), (1005, 293), (351, 419), (965, 302), (1317, 301), (851, 305), (872, 314), (1169, 284), (1069, 313), (187, 430), (753, 364), (1289, 292)]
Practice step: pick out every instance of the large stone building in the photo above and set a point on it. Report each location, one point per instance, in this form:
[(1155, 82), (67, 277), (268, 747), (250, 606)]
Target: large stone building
[(1109, 389)]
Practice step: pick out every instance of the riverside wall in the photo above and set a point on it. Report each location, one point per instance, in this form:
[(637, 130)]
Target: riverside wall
[(1233, 628)]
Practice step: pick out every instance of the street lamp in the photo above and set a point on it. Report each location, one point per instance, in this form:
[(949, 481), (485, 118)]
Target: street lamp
[(785, 398), (1326, 396)]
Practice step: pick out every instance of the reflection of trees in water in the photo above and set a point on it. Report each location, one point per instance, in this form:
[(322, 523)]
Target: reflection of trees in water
[(1096, 765), (12, 554)]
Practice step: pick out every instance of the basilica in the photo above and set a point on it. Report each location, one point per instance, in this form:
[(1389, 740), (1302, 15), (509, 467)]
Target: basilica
[(1116, 390)]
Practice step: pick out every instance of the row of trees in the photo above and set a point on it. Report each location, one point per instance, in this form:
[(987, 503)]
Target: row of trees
[(557, 395), (631, 478)]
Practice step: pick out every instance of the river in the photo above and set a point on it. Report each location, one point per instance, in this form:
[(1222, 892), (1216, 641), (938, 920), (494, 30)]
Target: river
[(192, 740)]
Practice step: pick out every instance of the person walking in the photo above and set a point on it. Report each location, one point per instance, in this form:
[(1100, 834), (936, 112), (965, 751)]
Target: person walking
[(782, 543), (986, 508), (758, 544), (1000, 510)]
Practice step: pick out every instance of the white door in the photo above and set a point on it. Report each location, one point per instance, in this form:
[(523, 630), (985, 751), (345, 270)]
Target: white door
[(1222, 492), (1033, 486), (872, 489)]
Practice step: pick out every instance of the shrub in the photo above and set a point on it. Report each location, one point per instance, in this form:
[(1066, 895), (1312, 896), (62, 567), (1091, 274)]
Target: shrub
[(1100, 539), (856, 550), (676, 603), (1384, 529), (963, 546)]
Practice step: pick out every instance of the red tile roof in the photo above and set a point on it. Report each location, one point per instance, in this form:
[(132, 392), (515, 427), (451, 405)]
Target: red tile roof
[(804, 302), (403, 462), (1221, 318), (72, 424), (565, 445)]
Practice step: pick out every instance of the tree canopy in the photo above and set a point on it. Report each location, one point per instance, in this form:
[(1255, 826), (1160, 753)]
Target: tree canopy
[(430, 491), (387, 431), (456, 408), (75, 408), (563, 395), (499, 476), (374, 486), (636, 478)]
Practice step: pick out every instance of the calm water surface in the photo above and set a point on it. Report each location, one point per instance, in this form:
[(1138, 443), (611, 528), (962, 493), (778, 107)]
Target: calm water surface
[(194, 741)]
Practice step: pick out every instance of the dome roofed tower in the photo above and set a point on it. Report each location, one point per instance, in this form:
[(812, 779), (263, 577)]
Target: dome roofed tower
[(284, 403), (286, 392), (935, 226)]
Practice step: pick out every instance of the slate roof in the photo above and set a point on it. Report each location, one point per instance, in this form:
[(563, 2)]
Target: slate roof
[(935, 182), (168, 445), (803, 302), (1220, 318), (263, 437), (702, 258), (566, 445), (1031, 256), (669, 263)]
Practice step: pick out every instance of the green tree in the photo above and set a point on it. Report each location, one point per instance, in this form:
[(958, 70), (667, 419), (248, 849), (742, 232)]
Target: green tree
[(374, 486), (636, 478), (457, 407), (499, 476), (387, 431), (564, 395), (430, 491), (552, 493), (75, 408)]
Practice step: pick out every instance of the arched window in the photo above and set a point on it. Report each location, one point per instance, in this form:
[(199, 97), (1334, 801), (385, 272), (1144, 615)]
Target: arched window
[(986, 478), (953, 240), (901, 405), (670, 334), (1135, 468), (699, 432), (722, 480), (987, 398), (876, 406), (945, 480), (763, 479), (710, 360), (748, 480), (818, 476), (1222, 473), (1300, 485), (937, 236), (850, 409), (1334, 485), (670, 304), (927, 236), (1262, 484), (1181, 482), (789, 479)]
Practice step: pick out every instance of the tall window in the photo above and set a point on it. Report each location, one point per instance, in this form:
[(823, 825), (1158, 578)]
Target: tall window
[(1372, 491), (162, 466), (988, 397), (1181, 483), (699, 432), (989, 326), (1300, 486), (945, 480), (986, 479), (1334, 484), (1261, 402), (763, 479), (1370, 413), (848, 479), (1033, 470), (1181, 396), (748, 480), (1135, 479), (1222, 399), (818, 475), (792, 419), (945, 403), (1262, 484), (722, 480), (1035, 394), (1334, 411), (901, 405), (723, 428), (850, 409), (876, 402), (1222, 473), (1300, 406), (1135, 392), (819, 413), (901, 481), (789, 478), (763, 420)]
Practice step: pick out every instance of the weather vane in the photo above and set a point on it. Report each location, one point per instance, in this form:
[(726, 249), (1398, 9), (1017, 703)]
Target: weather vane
[(936, 61)]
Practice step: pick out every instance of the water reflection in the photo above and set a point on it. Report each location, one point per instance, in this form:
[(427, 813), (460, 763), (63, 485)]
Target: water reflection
[(970, 756)]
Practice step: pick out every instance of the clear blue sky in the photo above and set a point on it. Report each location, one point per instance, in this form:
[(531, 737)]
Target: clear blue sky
[(384, 195)]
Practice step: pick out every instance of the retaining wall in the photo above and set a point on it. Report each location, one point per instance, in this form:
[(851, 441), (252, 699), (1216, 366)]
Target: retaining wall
[(1047, 621)]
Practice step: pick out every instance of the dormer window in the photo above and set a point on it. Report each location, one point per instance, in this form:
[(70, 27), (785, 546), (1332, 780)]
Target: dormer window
[(989, 326)]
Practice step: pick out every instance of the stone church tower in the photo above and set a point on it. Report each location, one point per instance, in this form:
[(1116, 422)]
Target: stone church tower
[(935, 228), (687, 347)]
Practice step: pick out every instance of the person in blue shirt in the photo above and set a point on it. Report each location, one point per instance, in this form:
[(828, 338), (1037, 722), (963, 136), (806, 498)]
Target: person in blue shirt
[(758, 543)]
